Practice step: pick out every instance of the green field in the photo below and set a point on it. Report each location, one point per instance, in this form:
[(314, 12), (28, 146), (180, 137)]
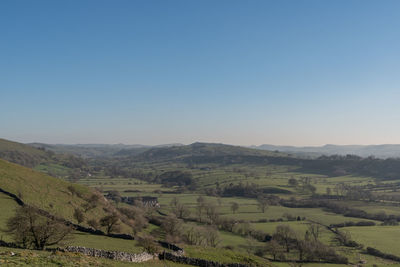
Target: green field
[(384, 238)]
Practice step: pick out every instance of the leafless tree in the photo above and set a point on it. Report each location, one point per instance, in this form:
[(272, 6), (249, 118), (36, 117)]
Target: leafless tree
[(32, 230), (262, 203), (78, 215), (314, 230), (212, 237), (234, 207), (172, 225), (111, 222), (284, 235), (273, 248), (195, 236)]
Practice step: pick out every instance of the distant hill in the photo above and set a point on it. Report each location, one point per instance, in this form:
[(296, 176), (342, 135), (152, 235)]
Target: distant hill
[(40, 158), (379, 151), (53, 195), (89, 150), (23, 154), (97, 150), (202, 150)]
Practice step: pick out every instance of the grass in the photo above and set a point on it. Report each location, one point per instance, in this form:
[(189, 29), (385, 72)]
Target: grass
[(56, 169), (208, 175), (49, 193), (19, 257), (8, 206), (224, 255), (384, 238), (104, 242), (54, 196), (10, 146)]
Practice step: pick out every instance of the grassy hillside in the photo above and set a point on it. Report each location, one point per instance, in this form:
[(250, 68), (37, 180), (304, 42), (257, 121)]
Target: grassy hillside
[(22, 154), (54, 195), (203, 150), (55, 164), (92, 150)]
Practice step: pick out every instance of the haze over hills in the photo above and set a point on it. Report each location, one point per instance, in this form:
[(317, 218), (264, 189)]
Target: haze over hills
[(97, 150), (379, 151), (200, 149), (110, 150)]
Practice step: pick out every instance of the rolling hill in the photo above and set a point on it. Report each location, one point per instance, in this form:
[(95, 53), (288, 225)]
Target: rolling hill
[(194, 150), (44, 160), (380, 151), (23, 154), (97, 150)]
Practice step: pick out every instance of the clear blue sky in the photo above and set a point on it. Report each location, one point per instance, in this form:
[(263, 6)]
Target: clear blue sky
[(295, 72)]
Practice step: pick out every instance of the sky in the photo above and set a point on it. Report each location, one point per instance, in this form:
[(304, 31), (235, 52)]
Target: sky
[(301, 72)]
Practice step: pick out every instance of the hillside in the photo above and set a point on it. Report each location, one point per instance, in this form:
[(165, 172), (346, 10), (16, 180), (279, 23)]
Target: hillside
[(23, 154), (88, 151), (194, 150), (40, 158), (380, 151), (58, 197)]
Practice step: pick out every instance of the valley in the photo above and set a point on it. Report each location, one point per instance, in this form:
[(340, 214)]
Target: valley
[(217, 202)]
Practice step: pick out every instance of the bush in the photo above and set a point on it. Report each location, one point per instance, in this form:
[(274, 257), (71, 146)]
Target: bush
[(148, 243)]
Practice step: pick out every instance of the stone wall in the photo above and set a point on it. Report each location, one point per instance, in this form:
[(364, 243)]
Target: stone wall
[(176, 256), (377, 253), (113, 255), (170, 246), (9, 245)]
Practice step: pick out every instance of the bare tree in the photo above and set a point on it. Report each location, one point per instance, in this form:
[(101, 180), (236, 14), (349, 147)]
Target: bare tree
[(148, 243), (181, 211), (194, 236), (273, 248), (174, 202), (211, 213), (31, 230), (78, 215), (201, 203), (212, 237), (284, 235), (328, 191), (234, 207), (314, 230), (172, 225), (262, 203), (111, 222), (137, 217)]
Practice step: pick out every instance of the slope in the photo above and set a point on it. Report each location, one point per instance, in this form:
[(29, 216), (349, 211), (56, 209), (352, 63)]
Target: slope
[(42, 159), (211, 150), (56, 196)]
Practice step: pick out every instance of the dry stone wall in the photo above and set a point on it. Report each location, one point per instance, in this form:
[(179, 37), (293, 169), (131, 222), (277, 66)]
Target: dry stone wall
[(114, 255)]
